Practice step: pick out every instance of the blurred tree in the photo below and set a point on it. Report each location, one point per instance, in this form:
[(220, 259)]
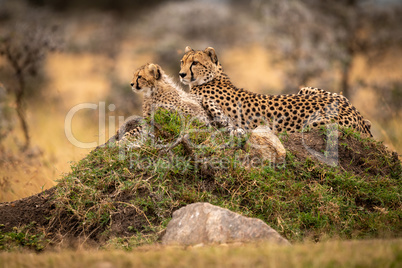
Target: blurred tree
[(195, 23), (121, 6), (6, 122), (313, 34), (24, 46)]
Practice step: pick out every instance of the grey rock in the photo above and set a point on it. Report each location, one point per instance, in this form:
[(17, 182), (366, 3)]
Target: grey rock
[(266, 145), (203, 223)]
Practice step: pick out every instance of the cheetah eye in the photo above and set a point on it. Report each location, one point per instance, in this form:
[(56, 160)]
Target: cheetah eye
[(195, 62), (139, 77)]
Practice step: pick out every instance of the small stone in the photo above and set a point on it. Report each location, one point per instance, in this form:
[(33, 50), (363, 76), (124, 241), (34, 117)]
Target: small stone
[(203, 223), (266, 145)]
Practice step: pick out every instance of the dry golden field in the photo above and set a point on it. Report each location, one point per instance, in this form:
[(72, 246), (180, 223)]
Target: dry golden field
[(370, 253)]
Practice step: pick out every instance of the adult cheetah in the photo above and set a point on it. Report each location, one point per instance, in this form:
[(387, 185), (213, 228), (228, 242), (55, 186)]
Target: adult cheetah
[(201, 70)]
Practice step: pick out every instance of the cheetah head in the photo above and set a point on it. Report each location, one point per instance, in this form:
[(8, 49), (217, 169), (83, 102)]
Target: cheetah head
[(145, 78), (198, 66)]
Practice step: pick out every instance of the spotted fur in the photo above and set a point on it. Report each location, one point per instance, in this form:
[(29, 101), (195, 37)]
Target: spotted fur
[(201, 70)]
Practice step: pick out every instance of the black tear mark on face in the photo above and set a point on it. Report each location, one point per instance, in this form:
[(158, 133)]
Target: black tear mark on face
[(137, 86), (191, 71), (159, 74)]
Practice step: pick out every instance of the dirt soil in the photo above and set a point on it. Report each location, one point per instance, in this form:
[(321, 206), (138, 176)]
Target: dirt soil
[(24, 211), (353, 157)]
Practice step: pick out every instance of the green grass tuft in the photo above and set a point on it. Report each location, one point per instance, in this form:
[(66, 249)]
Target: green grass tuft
[(26, 237)]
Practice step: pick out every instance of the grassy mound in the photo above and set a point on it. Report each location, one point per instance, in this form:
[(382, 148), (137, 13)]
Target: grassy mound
[(124, 196)]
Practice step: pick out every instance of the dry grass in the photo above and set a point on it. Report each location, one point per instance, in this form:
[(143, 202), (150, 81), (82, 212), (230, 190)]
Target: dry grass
[(21, 176), (19, 179), (73, 79), (370, 253)]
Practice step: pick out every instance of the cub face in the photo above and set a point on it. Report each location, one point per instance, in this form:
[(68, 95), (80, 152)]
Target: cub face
[(145, 77), (198, 67)]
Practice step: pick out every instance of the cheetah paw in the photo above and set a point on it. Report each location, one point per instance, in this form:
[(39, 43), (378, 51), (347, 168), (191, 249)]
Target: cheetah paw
[(238, 132)]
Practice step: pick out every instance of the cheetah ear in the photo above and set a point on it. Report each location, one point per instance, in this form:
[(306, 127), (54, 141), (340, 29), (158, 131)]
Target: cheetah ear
[(155, 70), (188, 49), (210, 51)]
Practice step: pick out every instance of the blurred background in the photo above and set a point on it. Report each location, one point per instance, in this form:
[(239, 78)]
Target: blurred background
[(56, 54)]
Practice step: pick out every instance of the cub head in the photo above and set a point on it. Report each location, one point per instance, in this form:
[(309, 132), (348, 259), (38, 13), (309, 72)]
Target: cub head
[(145, 77), (198, 66)]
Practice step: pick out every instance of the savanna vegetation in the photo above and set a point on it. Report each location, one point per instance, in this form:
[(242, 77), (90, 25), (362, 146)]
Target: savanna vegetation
[(123, 196)]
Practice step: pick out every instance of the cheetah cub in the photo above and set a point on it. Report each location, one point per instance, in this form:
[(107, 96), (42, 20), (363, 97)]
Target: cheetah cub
[(160, 91)]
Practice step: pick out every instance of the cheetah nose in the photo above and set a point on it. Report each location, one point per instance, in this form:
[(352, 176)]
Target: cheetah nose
[(132, 84), (182, 75)]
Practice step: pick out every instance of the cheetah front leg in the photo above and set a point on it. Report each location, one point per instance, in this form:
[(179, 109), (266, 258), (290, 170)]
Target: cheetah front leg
[(214, 110), (133, 127)]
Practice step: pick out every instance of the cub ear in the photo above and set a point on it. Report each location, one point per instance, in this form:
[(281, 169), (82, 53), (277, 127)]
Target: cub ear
[(155, 70), (210, 51), (188, 49)]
